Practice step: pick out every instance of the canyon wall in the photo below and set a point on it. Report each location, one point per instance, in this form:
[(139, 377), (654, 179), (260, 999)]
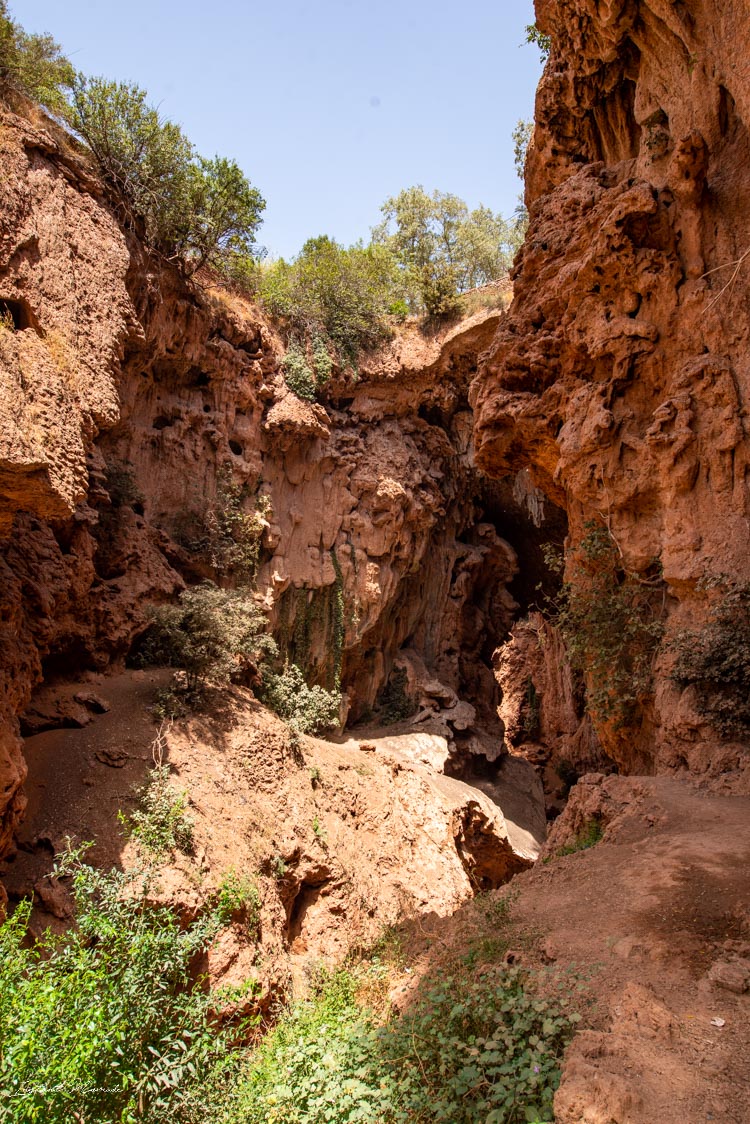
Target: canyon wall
[(133, 396), (620, 378)]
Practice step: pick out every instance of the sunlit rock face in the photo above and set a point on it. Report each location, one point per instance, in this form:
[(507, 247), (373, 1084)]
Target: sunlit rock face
[(132, 395), (619, 378)]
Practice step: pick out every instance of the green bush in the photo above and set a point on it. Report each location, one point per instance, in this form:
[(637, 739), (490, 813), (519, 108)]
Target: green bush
[(394, 703), (238, 895), (485, 1052), (213, 635), (715, 659), (298, 374), (308, 710), (226, 536), (34, 65), (161, 824), (611, 622), (337, 294), (105, 1022), (589, 835), (193, 210)]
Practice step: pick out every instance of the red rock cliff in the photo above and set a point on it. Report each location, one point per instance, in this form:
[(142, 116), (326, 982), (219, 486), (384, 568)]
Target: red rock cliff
[(621, 376)]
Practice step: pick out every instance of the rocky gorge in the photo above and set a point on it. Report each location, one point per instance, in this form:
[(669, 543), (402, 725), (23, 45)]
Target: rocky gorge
[(418, 527)]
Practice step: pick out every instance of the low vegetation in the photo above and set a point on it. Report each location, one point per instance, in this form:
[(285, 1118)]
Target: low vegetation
[(590, 833), (467, 1051), (107, 1021), (212, 635), (715, 660), (308, 710), (611, 621), (161, 823), (336, 295), (226, 535)]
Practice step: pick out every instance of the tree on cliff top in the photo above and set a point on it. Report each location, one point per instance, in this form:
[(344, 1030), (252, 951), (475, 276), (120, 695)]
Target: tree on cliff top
[(33, 64), (344, 294), (442, 247), (193, 210)]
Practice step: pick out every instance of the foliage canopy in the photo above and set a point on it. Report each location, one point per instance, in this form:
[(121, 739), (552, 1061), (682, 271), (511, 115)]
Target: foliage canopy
[(105, 1022)]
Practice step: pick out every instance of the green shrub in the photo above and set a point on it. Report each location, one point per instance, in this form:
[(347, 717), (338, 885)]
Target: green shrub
[(33, 64), (394, 703), (485, 1052), (298, 374), (104, 1022), (213, 635), (715, 659), (227, 536), (161, 824), (611, 622), (191, 209), (308, 710), (589, 835), (238, 895), (337, 294), (122, 485)]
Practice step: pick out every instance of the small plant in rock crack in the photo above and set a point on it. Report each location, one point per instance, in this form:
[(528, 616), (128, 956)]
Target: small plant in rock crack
[(238, 896), (320, 832), (226, 536), (715, 659), (611, 621), (277, 866), (161, 823), (316, 777)]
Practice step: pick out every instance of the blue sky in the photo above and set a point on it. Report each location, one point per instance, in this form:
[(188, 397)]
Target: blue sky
[(329, 106)]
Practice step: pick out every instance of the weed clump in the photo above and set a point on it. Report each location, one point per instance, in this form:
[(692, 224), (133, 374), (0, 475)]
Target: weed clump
[(715, 660), (308, 710), (161, 824), (611, 622)]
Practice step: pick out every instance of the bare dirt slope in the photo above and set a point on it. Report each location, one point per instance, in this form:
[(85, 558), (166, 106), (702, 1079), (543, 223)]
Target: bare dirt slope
[(654, 913), (341, 840)]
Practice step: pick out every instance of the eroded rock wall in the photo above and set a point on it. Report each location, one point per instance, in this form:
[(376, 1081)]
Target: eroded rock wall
[(620, 378), (130, 393)]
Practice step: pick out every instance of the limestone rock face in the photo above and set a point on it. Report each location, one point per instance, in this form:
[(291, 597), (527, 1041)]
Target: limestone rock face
[(619, 378), (130, 394)]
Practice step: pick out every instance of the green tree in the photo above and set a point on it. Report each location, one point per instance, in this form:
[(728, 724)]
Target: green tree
[(521, 136), (330, 290), (191, 209), (442, 247), (33, 64), (211, 634)]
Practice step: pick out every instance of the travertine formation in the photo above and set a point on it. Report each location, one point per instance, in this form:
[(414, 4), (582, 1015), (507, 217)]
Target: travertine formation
[(131, 394), (619, 379)]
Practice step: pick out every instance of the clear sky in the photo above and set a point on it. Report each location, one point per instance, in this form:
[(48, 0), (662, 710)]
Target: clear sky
[(329, 106)]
